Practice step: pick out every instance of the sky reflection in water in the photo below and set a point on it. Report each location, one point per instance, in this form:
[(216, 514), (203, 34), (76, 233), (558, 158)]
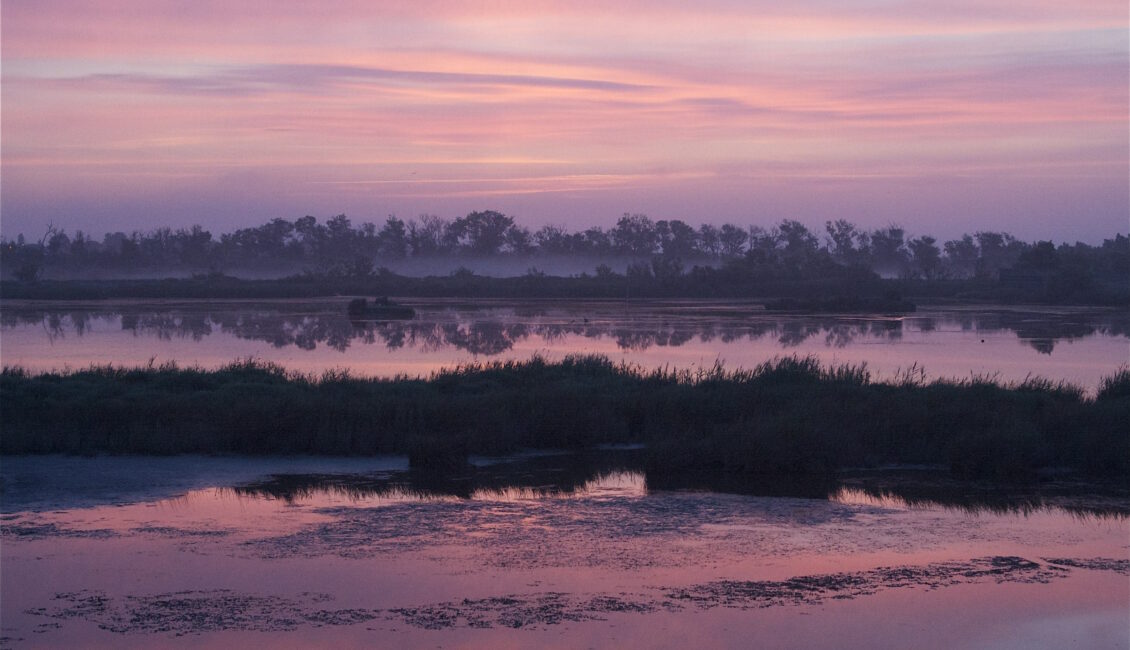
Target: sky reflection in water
[(1079, 346), (542, 550)]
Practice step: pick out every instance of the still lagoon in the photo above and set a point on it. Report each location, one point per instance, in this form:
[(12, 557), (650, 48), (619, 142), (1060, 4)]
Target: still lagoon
[(1076, 345), (554, 549), (548, 550)]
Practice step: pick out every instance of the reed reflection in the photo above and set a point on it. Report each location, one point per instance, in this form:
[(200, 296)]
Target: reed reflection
[(903, 492), (623, 475), (571, 476)]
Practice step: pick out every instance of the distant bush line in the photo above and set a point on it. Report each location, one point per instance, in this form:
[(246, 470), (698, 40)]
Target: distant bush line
[(789, 416), (662, 257)]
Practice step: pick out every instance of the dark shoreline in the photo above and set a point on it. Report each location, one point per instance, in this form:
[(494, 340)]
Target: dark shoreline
[(850, 293), (787, 417)]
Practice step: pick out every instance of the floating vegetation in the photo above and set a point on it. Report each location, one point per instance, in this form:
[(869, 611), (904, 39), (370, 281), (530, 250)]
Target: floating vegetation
[(196, 612)]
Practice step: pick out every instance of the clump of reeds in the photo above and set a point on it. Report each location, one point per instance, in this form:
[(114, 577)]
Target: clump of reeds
[(791, 415), (1116, 386)]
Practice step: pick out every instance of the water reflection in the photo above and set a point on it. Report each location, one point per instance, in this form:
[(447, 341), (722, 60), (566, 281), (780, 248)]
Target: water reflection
[(924, 490), (494, 331), (622, 475), (585, 475), (371, 490)]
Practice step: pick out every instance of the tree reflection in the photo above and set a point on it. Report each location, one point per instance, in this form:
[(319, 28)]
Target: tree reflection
[(490, 332)]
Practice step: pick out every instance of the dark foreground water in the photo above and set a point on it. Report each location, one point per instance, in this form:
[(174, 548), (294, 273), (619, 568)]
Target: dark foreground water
[(1070, 344), (545, 551)]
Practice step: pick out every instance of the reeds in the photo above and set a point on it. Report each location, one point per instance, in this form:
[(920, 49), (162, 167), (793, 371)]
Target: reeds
[(791, 415), (1117, 386)]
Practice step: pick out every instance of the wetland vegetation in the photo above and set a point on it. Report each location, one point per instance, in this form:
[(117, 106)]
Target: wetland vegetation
[(790, 416)]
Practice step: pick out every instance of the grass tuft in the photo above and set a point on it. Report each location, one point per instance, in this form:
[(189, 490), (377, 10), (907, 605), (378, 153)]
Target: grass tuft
[(1117, 386)]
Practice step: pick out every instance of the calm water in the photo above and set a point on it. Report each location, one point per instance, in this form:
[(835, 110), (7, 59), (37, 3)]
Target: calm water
[(538, 551), (1076, 345), (551, 550)]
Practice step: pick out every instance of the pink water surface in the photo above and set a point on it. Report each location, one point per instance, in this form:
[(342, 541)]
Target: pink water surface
[(1080, 346), (502, 552)]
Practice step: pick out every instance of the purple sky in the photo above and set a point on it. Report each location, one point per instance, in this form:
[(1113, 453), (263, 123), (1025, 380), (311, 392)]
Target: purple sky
[(941, 116)]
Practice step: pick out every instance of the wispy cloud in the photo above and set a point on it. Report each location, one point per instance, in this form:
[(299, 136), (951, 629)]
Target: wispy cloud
[(314, 79), (739, 105)]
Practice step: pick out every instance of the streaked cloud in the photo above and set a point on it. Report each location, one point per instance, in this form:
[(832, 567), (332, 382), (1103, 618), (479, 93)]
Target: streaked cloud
[(309, 79), (722, 110)]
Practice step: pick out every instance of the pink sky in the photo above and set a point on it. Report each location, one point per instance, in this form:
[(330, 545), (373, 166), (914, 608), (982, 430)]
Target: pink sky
[(944, 117)]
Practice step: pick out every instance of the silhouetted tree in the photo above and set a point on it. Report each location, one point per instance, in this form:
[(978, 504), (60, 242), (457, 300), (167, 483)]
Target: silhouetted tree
[(676, 238), (481, 233), (553, 239), (1041, 257), (427, 236), (846, 243), (595, 241), (925, 257), (635, 234), (998, 250), (393, 239), (310, 234), (961, 257), (733, 240), (194, 245), (709, 240), (887, 253), (519, 241)]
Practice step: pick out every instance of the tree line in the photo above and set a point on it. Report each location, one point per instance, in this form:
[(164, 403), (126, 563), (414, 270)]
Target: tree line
[(655, 248)]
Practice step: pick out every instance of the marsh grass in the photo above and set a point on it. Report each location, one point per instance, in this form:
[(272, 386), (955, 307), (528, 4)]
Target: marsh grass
[(790, 416), (1117, 386)]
